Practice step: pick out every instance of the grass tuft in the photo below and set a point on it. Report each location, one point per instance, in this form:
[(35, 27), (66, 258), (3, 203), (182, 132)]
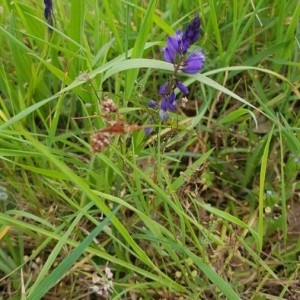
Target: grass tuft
[(205, 207)]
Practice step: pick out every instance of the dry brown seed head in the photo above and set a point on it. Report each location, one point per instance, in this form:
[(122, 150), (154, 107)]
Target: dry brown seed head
[(99, 141), (108, 106)]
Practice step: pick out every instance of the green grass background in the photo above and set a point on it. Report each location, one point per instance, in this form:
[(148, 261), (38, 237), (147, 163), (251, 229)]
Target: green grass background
[(205, 208)]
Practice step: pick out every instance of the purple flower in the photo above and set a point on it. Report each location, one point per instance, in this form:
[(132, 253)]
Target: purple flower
[(148, 130), (183, 89), (194, 63), (174, 46), (163, 90), (177, 46), (169, 103), (152, 104), (180, 42)]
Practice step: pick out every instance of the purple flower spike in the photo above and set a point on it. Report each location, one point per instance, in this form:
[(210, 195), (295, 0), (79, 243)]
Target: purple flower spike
[(177, 53), (191, 33), (182, 87), (194, 63)]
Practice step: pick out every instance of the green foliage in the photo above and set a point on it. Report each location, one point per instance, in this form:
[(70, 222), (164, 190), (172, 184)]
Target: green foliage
[(205, 208)]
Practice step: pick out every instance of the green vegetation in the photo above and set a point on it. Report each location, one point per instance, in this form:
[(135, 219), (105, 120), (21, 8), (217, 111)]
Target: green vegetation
[(207, 207)]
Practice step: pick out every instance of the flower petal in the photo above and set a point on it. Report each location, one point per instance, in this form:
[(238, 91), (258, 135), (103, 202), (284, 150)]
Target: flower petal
[(182, 87), (163, 89), (152, 104), (163, 115), (169, 55), (174, 42)]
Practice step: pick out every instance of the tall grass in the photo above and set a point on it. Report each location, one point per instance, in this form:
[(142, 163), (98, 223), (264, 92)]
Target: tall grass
[(207, 207)]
